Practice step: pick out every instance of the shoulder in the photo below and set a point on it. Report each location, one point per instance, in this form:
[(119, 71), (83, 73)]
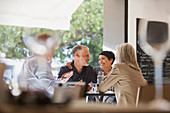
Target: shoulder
[(89, 67), (31, 61), (64, 68), (121, 65), (117, 68), (89, 70), (97, 69)]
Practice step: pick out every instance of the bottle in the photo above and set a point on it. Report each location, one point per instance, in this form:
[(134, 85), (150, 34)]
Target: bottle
[(100, 77)]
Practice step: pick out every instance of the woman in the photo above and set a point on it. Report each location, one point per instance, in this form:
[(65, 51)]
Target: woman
[(126, 77), (106, 59)]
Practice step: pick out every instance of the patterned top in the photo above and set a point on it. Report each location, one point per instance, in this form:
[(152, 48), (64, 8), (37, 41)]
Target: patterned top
[(36, 75)]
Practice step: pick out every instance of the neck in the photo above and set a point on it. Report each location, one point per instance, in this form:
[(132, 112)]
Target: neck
[(107, 70), (78, 67)]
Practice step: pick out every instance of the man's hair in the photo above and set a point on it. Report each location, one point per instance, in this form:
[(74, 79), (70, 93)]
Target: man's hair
[(108, 54), (77, 48)]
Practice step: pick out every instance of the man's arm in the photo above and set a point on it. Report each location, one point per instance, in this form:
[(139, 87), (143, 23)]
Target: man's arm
[(63, 70)]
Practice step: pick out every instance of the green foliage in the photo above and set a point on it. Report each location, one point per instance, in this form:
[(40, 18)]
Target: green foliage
[(86, 29)]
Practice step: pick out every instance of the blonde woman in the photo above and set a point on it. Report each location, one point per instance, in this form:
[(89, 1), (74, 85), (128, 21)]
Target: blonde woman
[(126, 77)]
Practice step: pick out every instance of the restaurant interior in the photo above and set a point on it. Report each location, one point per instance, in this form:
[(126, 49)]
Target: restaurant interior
[(125, 21)]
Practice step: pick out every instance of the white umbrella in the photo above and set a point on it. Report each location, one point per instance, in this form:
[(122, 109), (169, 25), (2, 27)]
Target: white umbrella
[(52, 14)]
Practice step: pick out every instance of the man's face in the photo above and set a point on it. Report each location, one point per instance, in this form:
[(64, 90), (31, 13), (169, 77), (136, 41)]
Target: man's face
[(84, 57)]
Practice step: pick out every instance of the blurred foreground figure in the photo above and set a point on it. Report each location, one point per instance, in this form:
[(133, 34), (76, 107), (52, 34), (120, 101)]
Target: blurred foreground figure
[(36, 73), (126, 77)]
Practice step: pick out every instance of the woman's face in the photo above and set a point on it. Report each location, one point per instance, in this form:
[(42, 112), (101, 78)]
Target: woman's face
[(104, 62)]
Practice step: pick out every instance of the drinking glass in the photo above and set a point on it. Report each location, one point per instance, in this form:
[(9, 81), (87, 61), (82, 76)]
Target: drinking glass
[(154, 41)]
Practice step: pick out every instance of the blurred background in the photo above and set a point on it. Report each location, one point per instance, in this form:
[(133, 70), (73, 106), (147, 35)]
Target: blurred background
[(86, 28)]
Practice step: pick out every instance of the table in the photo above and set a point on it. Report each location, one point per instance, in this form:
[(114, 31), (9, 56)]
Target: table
[(79, 106), (98, 97)]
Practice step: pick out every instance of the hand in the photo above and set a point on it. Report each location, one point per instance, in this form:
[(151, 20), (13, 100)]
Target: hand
[(90, 86), (68, 64), (78, 83), (65, 77)]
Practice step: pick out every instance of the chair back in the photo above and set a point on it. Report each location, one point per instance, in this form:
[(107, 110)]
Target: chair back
[(2, 69), (147, 93), (69, 91), (137, 97), (3, 87)]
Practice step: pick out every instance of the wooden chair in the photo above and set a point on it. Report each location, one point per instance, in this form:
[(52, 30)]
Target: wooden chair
[(137, 97), (2, 69), (64, 93), (3, 87), (147, 93)]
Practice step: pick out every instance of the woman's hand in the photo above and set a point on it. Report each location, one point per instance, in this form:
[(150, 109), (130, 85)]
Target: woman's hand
[(68, 64)]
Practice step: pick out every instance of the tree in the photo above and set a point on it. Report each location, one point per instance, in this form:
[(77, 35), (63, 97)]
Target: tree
[(86, 28)]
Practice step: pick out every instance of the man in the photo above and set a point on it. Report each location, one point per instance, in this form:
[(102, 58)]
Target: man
[(81, 70), (36, 73)]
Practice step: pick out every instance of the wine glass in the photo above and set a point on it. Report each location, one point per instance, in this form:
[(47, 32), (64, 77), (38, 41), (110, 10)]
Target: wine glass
[(154, 41)]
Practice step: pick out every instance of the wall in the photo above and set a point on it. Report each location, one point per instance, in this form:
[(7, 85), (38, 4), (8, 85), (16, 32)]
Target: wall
[(149, 58), (113, 32), (149, 9)]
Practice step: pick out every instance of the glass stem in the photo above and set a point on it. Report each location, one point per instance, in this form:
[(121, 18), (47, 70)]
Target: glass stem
[(158, 81)]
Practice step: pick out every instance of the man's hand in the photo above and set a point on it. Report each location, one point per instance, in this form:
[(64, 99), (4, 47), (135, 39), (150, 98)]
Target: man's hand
[(90, 86), (79, 83), (65, 77)]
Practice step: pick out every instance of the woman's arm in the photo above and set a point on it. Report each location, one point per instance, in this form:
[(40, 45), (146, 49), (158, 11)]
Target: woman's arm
[(110, 80)]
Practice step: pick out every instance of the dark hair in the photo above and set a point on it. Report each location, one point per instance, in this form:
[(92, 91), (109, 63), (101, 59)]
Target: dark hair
[(108, 54)]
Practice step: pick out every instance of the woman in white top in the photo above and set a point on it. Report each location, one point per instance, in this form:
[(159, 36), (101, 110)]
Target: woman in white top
[(126, 77)]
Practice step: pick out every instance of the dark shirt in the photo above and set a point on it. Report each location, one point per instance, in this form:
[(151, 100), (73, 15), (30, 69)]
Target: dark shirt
[(87, 74), (97, 69)]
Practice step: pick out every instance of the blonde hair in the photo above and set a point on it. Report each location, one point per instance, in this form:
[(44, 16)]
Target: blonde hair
[(126, 54)]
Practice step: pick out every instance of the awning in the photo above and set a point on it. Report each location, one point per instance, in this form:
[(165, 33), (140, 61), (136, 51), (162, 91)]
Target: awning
[(52, 14)]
